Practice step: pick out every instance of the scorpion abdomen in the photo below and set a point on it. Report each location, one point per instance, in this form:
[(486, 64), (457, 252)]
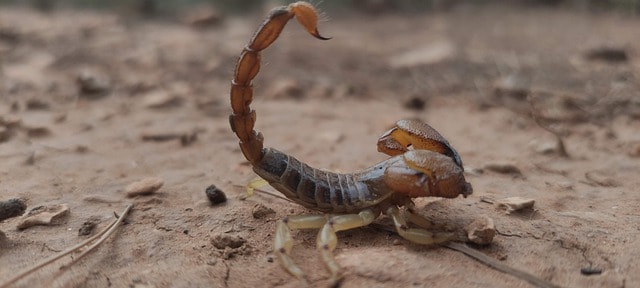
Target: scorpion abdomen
[(314, 188)]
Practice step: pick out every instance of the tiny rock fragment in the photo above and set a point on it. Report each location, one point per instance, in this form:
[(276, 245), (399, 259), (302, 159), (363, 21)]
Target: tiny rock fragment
[(607, 54), (187, 139), (161, 99), (513, 204), (481, 231), (590, 271), (44, 215), (93, 83), (222, 241), (145, 186), (633, 152), (285, 89), (513, 87), (12, 208), (10, 121), (5, 134), (503, 168), (601, 179), (215, 195), (547, 148), (415, 103), (160, 137), (88, 226), (434, 52), (37, 104), (204, 17), (3, 237), (260, 211), (37, 131)]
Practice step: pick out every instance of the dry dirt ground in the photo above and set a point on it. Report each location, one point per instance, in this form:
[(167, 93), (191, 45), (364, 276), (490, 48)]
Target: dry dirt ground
[(89, 100)]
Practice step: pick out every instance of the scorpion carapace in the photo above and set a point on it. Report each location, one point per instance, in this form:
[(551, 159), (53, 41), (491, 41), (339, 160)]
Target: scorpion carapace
[(422, 164)]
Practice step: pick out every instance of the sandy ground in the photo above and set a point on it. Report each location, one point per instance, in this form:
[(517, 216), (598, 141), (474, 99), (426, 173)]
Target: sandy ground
[(326, 103)]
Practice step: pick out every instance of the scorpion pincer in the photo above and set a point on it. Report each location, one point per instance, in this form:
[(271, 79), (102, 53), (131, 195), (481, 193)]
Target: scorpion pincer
[(422, 164)]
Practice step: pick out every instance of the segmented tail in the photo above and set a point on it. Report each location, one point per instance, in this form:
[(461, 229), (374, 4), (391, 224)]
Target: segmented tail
[(243, 118)]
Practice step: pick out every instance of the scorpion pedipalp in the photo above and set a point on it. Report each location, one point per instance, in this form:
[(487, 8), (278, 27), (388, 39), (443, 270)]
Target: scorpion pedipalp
[(418, 135)]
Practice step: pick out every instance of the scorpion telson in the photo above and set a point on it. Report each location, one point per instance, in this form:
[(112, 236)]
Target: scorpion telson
[(422, 164)]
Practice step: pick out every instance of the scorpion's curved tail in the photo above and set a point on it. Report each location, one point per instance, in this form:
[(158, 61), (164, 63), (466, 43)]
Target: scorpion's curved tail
[(243, 117)]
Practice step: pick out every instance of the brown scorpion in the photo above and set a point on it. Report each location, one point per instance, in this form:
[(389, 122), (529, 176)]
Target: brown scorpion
[(422, 164)]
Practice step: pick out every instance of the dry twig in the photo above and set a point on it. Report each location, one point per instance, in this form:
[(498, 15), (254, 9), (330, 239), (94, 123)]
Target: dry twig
[(493, 263)]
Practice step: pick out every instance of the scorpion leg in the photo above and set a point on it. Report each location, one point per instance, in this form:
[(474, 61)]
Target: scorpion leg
[(253, 185), (284, 241), (327, 239), (418, 135), (416, 235)]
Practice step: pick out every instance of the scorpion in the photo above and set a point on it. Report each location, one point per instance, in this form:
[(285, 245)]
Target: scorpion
[(422, 163)]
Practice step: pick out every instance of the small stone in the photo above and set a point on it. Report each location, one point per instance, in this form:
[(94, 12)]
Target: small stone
[(145, 186), (590, 271), (285, 89), (432, 53), (503, 168), (44, 215), (215, 195), (37, 104), (160, 136), (415, 103), (5, 134), (12, 208), (260, 211), (161, 99), (513, 204), (93, 83), (204, 17), (222, 241), (607, 54), (38, 131), (601, 179), (88, 226), (212, 262), (3, 237), (481, 231)]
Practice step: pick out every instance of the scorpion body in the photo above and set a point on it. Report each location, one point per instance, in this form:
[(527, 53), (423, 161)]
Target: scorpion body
[(422, 164)]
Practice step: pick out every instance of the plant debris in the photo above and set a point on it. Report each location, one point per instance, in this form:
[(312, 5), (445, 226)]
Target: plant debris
[(44, 215)]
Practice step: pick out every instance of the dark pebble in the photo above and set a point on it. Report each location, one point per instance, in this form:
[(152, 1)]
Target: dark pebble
[(12, 208), (87, 228), (215, 195), (590, 271)]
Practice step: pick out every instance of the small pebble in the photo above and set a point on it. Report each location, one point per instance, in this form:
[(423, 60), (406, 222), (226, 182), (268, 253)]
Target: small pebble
[(513, 204), (5, 134), (481, 231), (93, 83), (215, 195), (145, 186), (88, 227), (12, 208), (590, 271), (222, 241), (260, 211), (44, 215), (503, 169)]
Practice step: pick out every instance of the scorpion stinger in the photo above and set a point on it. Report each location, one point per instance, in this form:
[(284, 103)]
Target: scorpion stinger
[(431, 168)]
